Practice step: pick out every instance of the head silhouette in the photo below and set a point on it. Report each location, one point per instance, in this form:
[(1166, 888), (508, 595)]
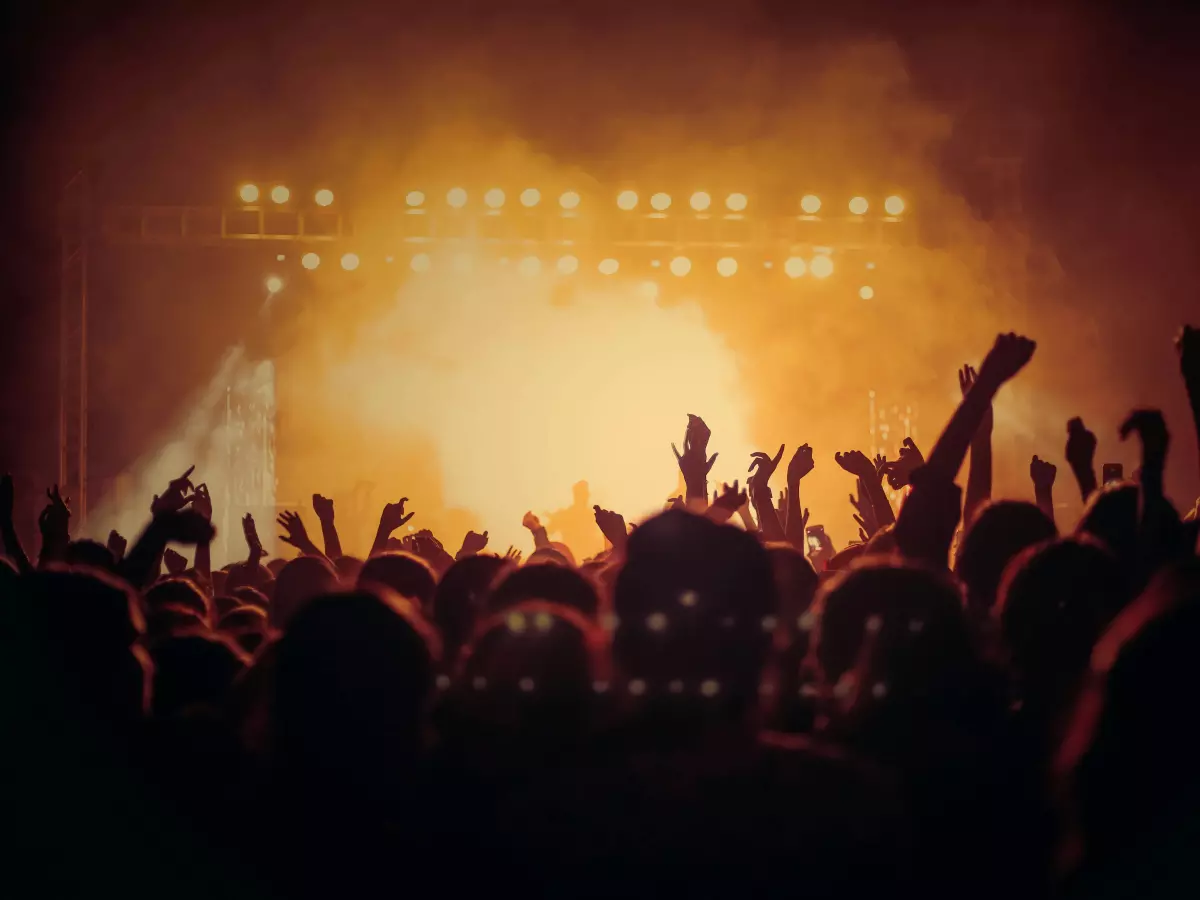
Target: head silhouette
[(191, 668), (999, 532), (554, 584), (460, 598), (405, 573), (178, 592), (297, 583)]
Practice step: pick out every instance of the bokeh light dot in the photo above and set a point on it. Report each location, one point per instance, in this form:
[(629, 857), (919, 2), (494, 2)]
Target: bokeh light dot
[(274, 284), (280, 194), (701, 201), (821, 266), (494, 198), (627, 199), (893, 206), (810, 203), (736, 202), (859, 206), (323, 197), (530, 197), (866, 292), (248, 193), (661, 201), (421, 263), (530, 266), (795, 267), (568, 265), (457, 197), (680, 266), (569, 200), (727, 266), (350, 261), (310, 260), (414, 198)]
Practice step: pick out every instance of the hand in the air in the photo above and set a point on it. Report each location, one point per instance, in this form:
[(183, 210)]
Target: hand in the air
[(1151, 429), (1008, 356), (513, 554), (474, 542), (7, 500), (800, 464), (323, 507), (693, 462), (116, 545), (611, 525), (730, 499), (185, 526), (856, 463), (393, 516), (967, 376), (531, 522), (899, 472), (1081, 445), (54, 518), (296, 534), (201, 502), (175, 496), (250, 532), (1187, 344), (176, 563), (763, 465), (1042, 473)]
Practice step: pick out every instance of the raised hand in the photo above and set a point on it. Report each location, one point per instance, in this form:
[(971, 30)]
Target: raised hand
[(393, 516), (611, 525), (201, 501), (323, 507), (54, 524), (184, 526), (864, 509), (726, 503), (253, 544), (473, 543), (856, 463), (1042, 473), (530, 521), (116, 545), (7, 500), (295, 533), (900, 471), (880, 466), (693, 464), (967, 376), (175, 496), (763, 465), (176, 563), (1151, 429), (1008, 356), (1081, 445), (513, 554), (800, 464)]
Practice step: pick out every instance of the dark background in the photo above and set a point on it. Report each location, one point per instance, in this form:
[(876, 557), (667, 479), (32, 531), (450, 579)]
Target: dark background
[(170, 102)]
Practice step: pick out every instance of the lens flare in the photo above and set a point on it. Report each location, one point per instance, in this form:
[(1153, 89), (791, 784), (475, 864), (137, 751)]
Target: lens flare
[(795, 267), (866, 292), (609, 266), (661, 201), (727, 266), (530, 197), (736, 202), (414, 198), (859, 206), (323, 197), (350, 261), (568, 265), (569, 200), (811, 204), (680, 266), (893, 206), (274, 284), (493, 198), (248, 193), (280, 194), (701, 201), (310, 260), (627, 199), (821, 266)]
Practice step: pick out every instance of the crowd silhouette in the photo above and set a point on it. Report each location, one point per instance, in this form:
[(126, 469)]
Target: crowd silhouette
[(971, 699)]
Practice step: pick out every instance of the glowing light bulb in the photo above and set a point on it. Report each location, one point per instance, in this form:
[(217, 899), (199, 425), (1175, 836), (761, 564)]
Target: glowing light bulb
[(795, 267), (609, 266), (456, 197), (661, 201), (627, 199), (893, 206), (274, 284), (530, 197), (701, 201), (811, 204), (680, 266), (414, 198), (280, 194), (310, 260), (248, 193), (568, 265), (727, 266), (493, 198), (859, 206), (866, 292), (569, 200), (821, 266), (530, 266), (421, 263), (350, 261), (736, 202), (323, 197)]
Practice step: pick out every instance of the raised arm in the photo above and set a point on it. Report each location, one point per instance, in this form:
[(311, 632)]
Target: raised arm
[(979, 473), (796, 519), (8, 527), (54, 523), (1188, 345), (858, 464), (612, 526), (392, 517), (202, 503), (694, 462), (323, 507), (537, 529), (762, 467), (1043, 474), (140, 567), (1081, 456), (472, 545)]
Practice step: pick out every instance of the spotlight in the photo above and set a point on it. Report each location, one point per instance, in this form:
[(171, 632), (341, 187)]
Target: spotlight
[(493, 198), (280, 194), (661, 201), (866, 292), (726, 266), (530, 266), (649, 290), (821, 266), (274, 284), (456, 197), (279, 257), (609, 266), (569, 200), (350, 261), (794, 267), (893, 206), (627, 199), (324, 197), (421, 263), (735, 202), (701, 201), (310, 260), (680, 266), (811, 204), (414, 198), (858, 206), (530, 197), (568, 265), (248, 193)]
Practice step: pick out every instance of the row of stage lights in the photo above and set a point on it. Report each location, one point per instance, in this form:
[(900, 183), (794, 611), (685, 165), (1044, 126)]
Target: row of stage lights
[(700, 201)]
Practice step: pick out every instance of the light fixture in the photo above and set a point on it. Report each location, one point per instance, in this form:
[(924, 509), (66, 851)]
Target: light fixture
[(727, 266), (350, 261), (701, 201), (323, 197), (310, 260), (795, 267), (680, 266), (859, 206), (821, 266), (493, 198), (627, 199), (661, 201), (530, 197), (893, 206), (811, 204), (609, 266), (248, 193), (569, 200), (736, 202), (280, 194), (456, 197), (414, 198)]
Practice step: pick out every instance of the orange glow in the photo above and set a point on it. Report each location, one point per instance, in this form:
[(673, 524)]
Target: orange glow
[(727, 266), (736, 202), (680, 266), (530, 266), (421, 263), (462, 263), (701, 201), (274, 284), (323, 197), (530, 197), (609, 266), (866, 292), (859, 206), (456, 197), (811, 204), (794, 267), (493, 198), (649, 290), (821, 266), (569, 200), (280, 194), (310, 260), (350, 261), (627, 199), (248, 193), (893, 206), (661, 202), (414, 198), (568, 265)]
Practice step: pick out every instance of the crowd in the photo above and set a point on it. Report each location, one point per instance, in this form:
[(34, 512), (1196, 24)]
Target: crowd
[(971, 700)]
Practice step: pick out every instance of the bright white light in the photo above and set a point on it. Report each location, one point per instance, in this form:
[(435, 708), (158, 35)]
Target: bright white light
[(323, 197), (701, 201), (569, 200), (680, 266), (414, 198), (310, 260), (421, 263), (456, 197), (727, 266), (530, 266), (866, 292), (248, 193), (821, 266), (811, 204), (568, 265), (274, 284), (795, 267), (530, 197), (609, 266), (350, 261), (661, 201), (735, 202), (893, 206), (493, 198), (859, 206), (280, 194), (627, 199)]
